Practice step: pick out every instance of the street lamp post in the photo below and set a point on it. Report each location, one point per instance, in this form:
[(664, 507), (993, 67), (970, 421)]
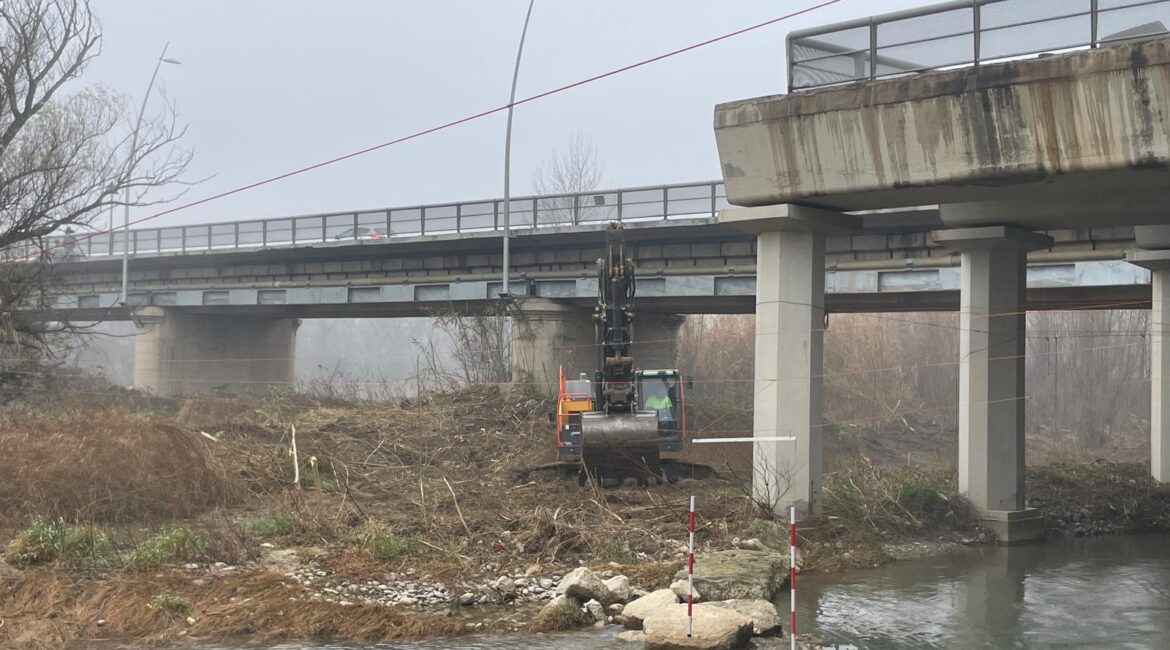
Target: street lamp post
[(504, 292), (162, 58)]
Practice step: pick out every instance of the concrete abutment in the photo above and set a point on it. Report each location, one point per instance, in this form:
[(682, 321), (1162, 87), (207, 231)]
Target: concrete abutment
[(179, 353)]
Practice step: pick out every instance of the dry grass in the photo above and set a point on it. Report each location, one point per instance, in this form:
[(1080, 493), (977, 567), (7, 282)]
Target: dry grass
[(106, 465), (49, 610), (1099, 497)]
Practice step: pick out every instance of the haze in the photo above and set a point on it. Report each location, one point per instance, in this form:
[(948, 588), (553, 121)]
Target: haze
[(271, 85)]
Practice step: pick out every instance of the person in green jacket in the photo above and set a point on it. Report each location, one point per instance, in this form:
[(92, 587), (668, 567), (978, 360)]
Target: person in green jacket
[(661, 402)]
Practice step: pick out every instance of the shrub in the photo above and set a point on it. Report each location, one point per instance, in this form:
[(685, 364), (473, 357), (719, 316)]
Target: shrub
[(382, 542), (174, 544), (922, 496), (44, 541), (170, 604), (38, 543), (279, 525)]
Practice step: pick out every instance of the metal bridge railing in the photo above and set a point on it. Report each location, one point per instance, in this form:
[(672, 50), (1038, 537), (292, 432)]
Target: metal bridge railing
[(964, 33), (660, 202)]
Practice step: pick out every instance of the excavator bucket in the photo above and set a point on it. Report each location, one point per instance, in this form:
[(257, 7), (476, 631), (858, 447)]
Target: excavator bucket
[(620, 446)]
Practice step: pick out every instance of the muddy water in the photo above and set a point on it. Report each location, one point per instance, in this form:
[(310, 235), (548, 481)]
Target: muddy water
[(1098, 593)]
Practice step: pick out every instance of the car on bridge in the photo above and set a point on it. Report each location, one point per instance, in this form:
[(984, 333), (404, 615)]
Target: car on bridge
[(361, 233)]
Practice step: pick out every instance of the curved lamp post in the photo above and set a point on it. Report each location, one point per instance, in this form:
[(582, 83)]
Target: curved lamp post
[(504, 292), (162, 58)]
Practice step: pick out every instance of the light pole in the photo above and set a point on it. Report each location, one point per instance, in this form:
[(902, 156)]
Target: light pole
[(504, 292), (162, 58)]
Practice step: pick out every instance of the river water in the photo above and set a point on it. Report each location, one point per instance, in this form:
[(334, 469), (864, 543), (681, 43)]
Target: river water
[(1111, 592)]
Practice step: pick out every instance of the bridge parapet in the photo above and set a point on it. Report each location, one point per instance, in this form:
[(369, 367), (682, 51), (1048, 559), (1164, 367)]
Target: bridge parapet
[(963, 33)]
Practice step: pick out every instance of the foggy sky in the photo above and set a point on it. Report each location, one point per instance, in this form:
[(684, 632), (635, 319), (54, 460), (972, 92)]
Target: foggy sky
[(271, 85)]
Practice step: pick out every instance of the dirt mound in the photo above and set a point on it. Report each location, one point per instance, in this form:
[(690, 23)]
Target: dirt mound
[(105, 466)]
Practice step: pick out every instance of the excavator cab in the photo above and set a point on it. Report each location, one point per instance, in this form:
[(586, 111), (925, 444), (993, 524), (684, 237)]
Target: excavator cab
[(662, 391)]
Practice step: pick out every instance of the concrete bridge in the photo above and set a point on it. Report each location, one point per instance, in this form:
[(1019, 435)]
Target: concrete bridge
[(1046, 180), (1011, 152), (223, 313)]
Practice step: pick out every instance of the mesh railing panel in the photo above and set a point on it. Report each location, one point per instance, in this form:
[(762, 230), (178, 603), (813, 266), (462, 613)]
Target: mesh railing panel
[(946, 36)]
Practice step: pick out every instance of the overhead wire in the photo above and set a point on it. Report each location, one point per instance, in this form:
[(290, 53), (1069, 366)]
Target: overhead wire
[(434, 129)]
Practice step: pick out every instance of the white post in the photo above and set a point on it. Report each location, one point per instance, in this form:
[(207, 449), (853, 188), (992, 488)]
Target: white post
[(792, 573), (691, 571)]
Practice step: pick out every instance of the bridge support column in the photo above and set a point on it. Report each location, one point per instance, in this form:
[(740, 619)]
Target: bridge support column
[(551, 335), (992, 324), (1158, 262), (180, 353), (656, 339), (790, 323)]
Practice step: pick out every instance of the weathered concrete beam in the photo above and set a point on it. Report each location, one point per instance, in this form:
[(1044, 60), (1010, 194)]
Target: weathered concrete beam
[(1078, 122)]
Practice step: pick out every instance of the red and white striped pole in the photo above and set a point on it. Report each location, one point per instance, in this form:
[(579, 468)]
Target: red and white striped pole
[(792, 573), (691, 571)]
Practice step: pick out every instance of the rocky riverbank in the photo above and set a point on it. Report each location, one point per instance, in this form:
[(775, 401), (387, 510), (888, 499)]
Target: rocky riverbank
[(152, 523)]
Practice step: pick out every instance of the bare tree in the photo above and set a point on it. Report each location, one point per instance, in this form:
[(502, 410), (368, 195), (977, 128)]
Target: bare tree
[(67, 154), (564, 173)]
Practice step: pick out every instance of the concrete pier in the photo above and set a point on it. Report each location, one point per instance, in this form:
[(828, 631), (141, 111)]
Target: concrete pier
[(552, 335), (992, 324), (790, 323), (1158, 262), (180, 353)]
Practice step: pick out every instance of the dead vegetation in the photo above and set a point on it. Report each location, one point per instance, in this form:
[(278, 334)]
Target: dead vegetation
[(430, 484), (50, 610), (106, 465)]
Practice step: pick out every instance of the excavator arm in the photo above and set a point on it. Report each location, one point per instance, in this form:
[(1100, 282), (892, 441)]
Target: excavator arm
[(617, 439)]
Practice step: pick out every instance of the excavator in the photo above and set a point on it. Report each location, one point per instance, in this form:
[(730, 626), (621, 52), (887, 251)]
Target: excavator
[(618, 423)]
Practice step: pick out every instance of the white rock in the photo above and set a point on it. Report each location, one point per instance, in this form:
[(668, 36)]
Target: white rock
[(595, 610), (190, 620), (765, 618), (546, 583), (505, 585), (714, 629), (679, 587), (615, 608), (583, 584), (619, 588), (752, 544), (637, 610)]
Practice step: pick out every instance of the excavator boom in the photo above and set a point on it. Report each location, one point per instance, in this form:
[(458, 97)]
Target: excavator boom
[(617, 439)]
